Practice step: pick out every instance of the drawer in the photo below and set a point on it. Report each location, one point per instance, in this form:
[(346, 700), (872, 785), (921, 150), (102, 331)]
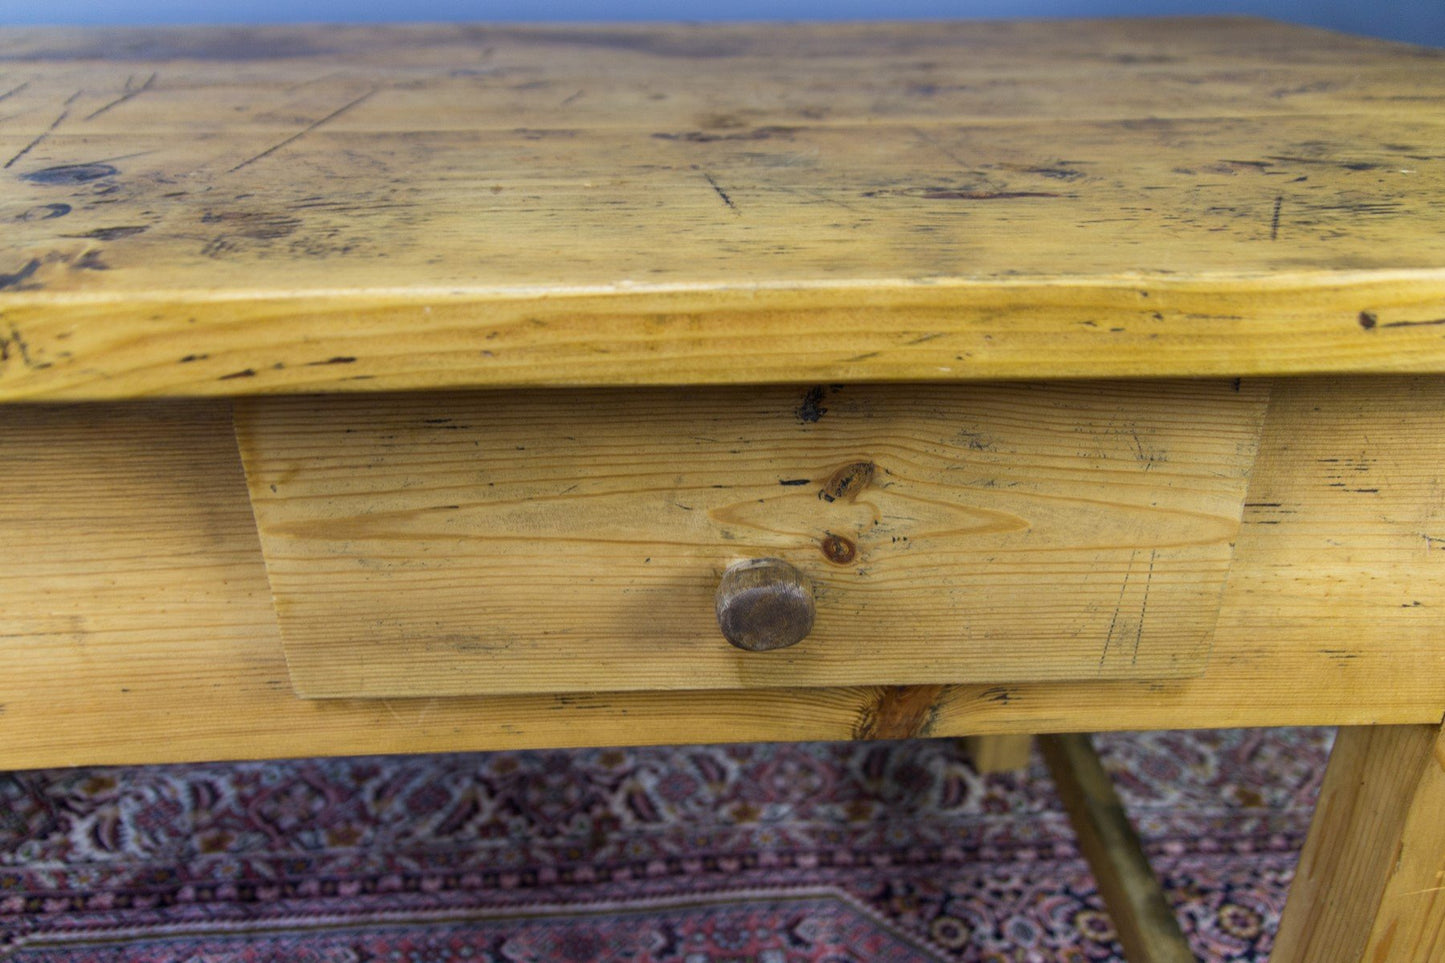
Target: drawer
[(573, 540)]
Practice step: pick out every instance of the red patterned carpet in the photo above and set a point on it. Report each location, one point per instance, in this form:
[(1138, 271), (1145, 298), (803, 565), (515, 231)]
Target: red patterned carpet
[(772, 853)]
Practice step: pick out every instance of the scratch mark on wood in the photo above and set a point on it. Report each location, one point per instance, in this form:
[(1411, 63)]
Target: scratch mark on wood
[(1274, 221), (722, 193), (930, 141), (1118, 604), (128, 95), (43, 134), (819, 195), (924, 338), (304, 131), (572, 99), (14, 90), (1414, 324), (1143, 607), (21, 349)]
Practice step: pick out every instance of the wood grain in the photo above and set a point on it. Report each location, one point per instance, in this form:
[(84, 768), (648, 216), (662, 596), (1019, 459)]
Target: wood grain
[(1371, 881), (1007, 752), (221, 211), (568, 541), (1143, 918), (1338, 580), (136, 623)]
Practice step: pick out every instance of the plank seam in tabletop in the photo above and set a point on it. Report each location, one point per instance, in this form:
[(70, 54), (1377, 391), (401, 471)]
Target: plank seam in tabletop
[(201, 212)]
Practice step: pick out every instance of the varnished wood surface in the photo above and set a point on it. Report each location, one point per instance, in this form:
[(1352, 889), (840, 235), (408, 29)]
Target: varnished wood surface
[(565, 541), (1370, 887), (236, 211), (136, 624)]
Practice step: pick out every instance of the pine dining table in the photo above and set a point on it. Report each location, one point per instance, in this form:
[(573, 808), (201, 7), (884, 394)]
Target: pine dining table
[(469, 387)]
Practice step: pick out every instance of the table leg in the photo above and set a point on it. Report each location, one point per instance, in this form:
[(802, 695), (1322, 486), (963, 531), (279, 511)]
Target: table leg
[(1371, 881), (1008, 752), (1147, 927)]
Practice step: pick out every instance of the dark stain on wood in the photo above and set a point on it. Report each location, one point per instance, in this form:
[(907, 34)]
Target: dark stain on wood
[(20, 276), (957, 194), (244, 373), (1056, 173), (1370, 321), (707, 137), (899, 712), (338, 359), (256, 225), (112, 233), (811, 411), (45, 212), (998, 694), (70, 174), (1414, 324)]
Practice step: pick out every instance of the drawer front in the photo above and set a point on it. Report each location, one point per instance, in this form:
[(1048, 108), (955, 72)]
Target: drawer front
[(565, 541)]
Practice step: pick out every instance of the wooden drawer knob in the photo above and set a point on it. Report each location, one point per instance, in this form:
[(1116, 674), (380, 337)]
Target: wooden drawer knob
[(764, 603)]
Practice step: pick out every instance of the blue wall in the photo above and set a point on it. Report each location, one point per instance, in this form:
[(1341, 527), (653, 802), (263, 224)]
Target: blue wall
[(1418, 21)]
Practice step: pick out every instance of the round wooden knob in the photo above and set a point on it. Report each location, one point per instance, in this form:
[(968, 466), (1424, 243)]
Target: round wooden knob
[(764, 603)]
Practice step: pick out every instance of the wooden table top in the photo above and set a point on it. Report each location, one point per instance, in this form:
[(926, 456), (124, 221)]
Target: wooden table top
[(238, 211)]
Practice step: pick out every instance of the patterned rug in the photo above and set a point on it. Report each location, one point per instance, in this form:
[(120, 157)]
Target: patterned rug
[(769, 853)]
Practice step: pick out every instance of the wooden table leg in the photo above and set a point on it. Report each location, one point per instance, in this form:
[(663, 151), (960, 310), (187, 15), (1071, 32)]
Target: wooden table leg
[(1147, 927), (1008, 752), (1371, 881)]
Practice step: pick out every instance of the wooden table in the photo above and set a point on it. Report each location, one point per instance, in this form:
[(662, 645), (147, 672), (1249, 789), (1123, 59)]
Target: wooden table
[(1093, 372)]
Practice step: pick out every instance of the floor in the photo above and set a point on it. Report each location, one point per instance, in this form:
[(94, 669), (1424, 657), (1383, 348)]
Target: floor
[(773, 853)]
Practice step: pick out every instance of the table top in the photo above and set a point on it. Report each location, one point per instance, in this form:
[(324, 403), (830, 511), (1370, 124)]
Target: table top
[(235, 211)]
